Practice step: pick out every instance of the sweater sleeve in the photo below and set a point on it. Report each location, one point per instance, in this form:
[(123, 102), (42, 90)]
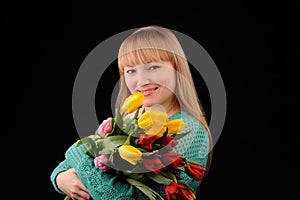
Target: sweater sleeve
[(62, 166), (103, 185), (194, 146)]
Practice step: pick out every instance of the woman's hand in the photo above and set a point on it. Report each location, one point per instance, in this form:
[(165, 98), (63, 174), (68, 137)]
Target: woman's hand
[(69, 183)]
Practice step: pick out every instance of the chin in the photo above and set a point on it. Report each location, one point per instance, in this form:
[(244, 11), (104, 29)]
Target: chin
[(149, 103)]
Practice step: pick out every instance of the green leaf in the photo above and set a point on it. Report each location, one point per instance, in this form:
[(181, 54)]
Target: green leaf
[(118, 119), (186, 185), (127, 126), (179, 177), (158, 178), (137, 169), (96, 133), (152, 194), (90, 144), (117, 140), (169, 175), (111, 142), (79, 143), (90, 153), (86, 140), (192, 161), (126, 121), (135, 176), (180, 135)]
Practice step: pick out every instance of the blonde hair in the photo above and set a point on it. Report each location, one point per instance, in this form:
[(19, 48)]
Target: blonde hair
[(156, 44)]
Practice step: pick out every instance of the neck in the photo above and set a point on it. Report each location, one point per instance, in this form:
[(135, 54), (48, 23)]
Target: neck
[(170, 109)]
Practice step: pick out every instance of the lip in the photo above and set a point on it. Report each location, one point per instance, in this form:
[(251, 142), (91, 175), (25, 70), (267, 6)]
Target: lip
[(147, 91)]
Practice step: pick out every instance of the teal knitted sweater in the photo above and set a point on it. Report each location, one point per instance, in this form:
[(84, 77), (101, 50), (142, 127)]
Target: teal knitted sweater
[(103, 185)]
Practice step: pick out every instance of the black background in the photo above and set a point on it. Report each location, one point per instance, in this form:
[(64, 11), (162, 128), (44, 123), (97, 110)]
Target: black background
[(254, 45)]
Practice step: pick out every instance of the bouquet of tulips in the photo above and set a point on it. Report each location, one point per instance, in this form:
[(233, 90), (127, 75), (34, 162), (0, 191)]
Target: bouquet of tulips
[(138, 144)]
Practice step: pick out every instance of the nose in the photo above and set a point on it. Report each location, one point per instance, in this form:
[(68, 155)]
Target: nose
[(143, 79)]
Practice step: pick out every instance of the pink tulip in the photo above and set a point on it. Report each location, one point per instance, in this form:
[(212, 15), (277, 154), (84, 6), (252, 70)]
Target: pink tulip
[(101, 162), (105, 127)]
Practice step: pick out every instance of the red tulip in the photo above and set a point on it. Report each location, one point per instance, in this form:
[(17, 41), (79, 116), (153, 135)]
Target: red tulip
[(176, 191), (172, 158), (145, 141), (169, 142), (195, 171), (154, 164)]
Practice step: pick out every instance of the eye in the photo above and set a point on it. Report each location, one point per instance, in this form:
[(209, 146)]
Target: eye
[(131, 71), (154, 67)]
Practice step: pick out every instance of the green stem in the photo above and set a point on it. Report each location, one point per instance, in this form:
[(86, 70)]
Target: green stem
[(127, 142), (147, 154), (67, 198)]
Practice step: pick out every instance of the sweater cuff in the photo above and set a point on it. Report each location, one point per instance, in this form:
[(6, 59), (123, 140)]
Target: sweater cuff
[(63, 166)]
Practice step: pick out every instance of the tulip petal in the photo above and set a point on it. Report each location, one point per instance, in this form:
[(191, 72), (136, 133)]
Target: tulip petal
[(130, 154), (132, 102)]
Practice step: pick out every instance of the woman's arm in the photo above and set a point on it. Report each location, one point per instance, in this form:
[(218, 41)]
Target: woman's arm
[(62, 166), (110, 186), (107, 185), (194, 146), (101, 185), (65, 181)]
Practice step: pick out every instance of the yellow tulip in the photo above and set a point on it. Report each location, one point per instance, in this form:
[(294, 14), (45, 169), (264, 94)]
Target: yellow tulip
[(158, 134), (130, 154), (132, 102), (144, 120), (153, 122), (175, 125), (152, 118)]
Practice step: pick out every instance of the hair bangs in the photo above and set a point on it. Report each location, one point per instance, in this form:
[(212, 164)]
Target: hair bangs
[(144, 56)]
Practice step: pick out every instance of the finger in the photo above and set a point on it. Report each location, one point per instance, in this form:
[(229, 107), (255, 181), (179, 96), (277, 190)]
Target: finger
[(86, 195), (81, 186), (83, 195)]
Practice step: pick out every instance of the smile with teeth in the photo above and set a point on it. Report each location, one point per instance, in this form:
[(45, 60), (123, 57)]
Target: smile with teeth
[(148, 92)]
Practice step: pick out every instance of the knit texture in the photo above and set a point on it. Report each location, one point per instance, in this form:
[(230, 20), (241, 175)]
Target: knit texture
[(62, 166), (108, 185)]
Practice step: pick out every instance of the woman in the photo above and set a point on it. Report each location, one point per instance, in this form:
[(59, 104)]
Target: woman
[(151, 61)]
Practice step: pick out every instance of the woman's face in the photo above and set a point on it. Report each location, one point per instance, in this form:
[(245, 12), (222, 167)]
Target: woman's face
[(156, 80)]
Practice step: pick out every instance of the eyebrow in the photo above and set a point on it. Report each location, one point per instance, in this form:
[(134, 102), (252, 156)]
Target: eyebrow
[(147, 64)]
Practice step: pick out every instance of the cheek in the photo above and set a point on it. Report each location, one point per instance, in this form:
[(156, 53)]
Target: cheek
[(172, 82), (167, 79), (130, 84)]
